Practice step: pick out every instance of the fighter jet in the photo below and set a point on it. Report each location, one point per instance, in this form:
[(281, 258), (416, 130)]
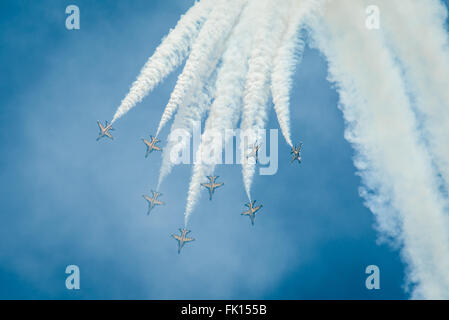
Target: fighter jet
[(251, 212), (104, 130), (151, 145), (212, 185), (254, 151), (182, 239), (152, 202), (296, 151)]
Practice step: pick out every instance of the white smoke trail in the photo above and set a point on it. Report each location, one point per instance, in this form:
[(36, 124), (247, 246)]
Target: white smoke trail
[(425, 59), (288, 56), (202, 58), (199, 71), (167, 57), (272, 23), (225, 110), (188, 116), (393, 163)]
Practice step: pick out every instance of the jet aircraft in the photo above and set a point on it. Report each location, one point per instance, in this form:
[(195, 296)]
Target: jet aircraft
[(182, 239), (296, 151), (151, 145), (254, 153), (153, 201), (251, 212), (104, 130), (212, 185)]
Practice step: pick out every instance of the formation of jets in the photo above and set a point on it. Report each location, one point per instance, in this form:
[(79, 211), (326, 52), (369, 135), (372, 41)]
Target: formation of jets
[(182, 239), (211, 185), (151, 145), (104, 130), (153, 201)]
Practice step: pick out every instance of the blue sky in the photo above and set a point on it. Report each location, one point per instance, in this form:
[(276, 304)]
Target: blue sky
[(68, 199)]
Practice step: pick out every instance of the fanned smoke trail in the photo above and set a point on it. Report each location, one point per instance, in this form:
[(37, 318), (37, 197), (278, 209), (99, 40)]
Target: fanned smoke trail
[(394, 164), (425, 59), (288, 56), (206, 53), (203, 57), (186, 119), (225, 110), (232, 84), (168, 56), (272, 23)]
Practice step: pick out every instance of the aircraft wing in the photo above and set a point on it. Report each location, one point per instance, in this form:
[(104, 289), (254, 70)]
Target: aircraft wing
[(158, 202), (216, 185), (156, 148), (295, 158), (188, 239), (207, 185), (108, 135), (257, 208), (176, 237), (100, 125)]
